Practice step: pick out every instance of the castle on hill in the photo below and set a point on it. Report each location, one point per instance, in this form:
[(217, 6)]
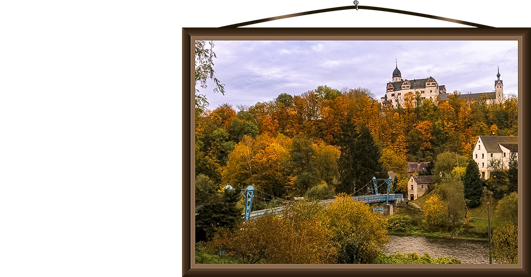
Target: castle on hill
[(429, 88)]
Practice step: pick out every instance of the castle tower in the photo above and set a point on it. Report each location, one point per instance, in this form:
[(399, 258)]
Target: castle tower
[(498, 88), (397, 76)]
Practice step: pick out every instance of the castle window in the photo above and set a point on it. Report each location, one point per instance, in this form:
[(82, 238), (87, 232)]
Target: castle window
[(392, 94), (430, 90), (504, 154), (476, 156), (483, 156), (491, 155), (482, 164), (412, 187), (421, 91), (421, 186), (399, 94)]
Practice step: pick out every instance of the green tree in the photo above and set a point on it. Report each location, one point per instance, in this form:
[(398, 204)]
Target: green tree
[(505, 244), (359, 161), (203, 257), (512, 174), (303, 164), (205, 189), (348, 161), (445, 164), (507, 210), (239, 128), (473, 184), (452, 193), (285, 99), (327, 93), (222, 212), (369, 155), (498, 183)]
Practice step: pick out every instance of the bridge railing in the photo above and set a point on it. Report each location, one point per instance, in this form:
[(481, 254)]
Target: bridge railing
[(365, 198)]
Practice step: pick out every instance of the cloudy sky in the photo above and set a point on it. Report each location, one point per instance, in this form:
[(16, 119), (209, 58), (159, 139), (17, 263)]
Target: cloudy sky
[(258, 71)]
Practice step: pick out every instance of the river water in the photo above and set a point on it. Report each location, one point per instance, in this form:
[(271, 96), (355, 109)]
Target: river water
[(468, 251)]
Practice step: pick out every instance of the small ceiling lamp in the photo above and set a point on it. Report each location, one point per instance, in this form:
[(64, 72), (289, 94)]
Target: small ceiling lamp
[(356, 11)]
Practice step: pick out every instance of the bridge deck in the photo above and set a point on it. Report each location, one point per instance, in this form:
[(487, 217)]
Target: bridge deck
[(368, 199)]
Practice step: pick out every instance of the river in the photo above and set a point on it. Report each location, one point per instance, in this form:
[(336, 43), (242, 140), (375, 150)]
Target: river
[(468, 251)]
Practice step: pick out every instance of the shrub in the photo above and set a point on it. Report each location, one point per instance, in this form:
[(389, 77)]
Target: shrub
[(414, 258), (320, 192), (399, 223)]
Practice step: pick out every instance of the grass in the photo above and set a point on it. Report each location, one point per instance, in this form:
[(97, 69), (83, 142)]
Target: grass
[(422, 200)]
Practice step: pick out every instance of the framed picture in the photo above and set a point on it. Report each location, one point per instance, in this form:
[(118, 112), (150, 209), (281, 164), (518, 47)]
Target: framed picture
[(315, 35)]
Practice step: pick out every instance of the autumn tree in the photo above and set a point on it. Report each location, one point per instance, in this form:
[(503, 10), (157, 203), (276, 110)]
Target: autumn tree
[(359, 232), (269, 166), (300, 236), (435, 211), (473, 184), (393, 162), (239, 170), (326, 160)]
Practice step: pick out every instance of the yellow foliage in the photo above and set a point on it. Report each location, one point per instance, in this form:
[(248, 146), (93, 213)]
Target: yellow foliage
[(435, 211), (354, 222)]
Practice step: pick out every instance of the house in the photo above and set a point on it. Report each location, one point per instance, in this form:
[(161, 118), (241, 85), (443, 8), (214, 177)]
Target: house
[(417, 186), (414, 168), (492, 151)]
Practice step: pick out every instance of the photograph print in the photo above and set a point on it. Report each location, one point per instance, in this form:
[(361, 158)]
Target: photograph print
[(356, 152)]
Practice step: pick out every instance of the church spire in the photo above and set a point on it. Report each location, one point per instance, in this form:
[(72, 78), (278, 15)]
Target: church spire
[(498, 75)]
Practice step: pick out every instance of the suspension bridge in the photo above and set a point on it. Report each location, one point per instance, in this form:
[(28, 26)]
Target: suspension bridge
[(371, 196)]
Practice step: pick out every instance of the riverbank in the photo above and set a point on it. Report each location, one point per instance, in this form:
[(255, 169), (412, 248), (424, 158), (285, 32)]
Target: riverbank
[(443, 235)]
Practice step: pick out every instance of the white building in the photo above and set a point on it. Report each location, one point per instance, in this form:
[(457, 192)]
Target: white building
[(417, 186), (492, 149), (429, 88)]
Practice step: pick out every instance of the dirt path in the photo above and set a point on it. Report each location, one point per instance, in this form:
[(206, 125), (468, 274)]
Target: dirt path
[(415, 205)]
